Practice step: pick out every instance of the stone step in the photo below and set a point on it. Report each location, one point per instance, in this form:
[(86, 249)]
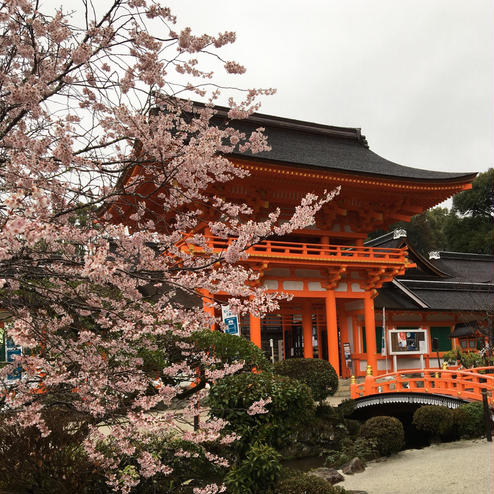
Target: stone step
[(342, 394)]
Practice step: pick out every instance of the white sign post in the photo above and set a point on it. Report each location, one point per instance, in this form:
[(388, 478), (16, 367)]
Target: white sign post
[(230, 320)]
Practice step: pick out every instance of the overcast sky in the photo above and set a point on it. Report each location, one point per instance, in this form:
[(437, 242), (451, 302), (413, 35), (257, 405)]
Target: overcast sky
[(416, 76)]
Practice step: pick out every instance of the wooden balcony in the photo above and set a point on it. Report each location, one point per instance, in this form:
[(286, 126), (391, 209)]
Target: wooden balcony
[(316, 253)]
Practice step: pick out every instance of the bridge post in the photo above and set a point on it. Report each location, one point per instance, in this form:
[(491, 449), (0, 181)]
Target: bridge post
[(369, 382), (445, 381), (353, 388)]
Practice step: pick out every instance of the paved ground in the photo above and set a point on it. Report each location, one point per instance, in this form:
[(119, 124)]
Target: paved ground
[(448, 468)]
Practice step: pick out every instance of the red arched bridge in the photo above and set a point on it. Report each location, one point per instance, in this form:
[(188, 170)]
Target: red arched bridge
[(427, 387)]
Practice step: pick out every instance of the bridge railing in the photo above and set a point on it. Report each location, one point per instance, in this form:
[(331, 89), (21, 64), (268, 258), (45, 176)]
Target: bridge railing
[(463, 384)]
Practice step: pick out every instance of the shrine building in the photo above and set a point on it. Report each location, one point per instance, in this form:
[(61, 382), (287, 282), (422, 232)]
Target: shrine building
[(332, 274)]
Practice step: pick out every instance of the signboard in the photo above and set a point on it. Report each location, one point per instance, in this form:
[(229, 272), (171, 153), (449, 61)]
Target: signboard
[(348, 354), (407, 341), (230, 320), (11, 352)]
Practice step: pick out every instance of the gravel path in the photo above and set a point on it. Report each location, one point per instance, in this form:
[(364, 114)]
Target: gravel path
[(447, 468)]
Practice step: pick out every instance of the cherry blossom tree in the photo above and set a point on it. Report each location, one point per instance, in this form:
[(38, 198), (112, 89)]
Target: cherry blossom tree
[(107, 168)]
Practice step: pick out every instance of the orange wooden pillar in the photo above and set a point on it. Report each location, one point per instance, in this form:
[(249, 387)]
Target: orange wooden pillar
[(332, 328), (370, 332), (207, 300), (255, 330), (307, 328)]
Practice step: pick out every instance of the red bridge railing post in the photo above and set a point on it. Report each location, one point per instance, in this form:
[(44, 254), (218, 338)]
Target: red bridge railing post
[(353, 388), (369, 382)]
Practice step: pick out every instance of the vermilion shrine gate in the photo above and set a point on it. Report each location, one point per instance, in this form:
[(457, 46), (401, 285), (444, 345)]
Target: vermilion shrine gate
[(331, 274)]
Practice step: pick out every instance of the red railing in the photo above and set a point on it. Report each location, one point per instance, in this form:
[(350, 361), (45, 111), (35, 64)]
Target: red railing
[(463, 384), (327, 252)]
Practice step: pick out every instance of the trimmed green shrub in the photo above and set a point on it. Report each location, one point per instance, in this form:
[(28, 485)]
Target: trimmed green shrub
[(318, 374), (291, 406), (347, 407), (466, 359), (365, 449), (387, 432), (353, 427), (436, 420), (469, 420), (303, 483), (257, 473), (230, 348)]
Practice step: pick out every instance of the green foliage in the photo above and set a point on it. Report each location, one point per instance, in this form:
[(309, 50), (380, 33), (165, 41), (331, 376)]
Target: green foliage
[(347, 407), (229, 349), (303, 483), (292, 405), (479, 200), (436, 420), (257, 473), (469, 234), (31, 463), (318, 374), (191, 466), (387, 432), (365, 449), (425, 231), (469, 420), (158, 352), (353, 427), (466, 359)]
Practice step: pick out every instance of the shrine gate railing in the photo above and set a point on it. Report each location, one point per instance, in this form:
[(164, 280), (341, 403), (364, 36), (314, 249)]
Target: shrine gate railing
[(461, 384), (328, 252)]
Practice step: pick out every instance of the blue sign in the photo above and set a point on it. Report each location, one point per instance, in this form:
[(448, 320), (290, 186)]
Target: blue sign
[(11, 352), (230, 320), (231, 325)]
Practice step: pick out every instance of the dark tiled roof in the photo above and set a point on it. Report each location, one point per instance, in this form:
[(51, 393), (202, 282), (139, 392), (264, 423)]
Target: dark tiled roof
[(457, 300), (387, 240), (340, 149), (474, 268), (391, 297), (456, 281)]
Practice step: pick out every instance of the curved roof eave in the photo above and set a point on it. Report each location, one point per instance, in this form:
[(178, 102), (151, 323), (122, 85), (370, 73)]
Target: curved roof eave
[(401, 172)]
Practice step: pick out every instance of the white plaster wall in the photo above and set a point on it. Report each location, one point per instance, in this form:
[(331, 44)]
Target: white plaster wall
[(381, 364), (408, 363), (315, 286), (293, 285), (342, 287), (270, 284), (363, 365), (356, 288)]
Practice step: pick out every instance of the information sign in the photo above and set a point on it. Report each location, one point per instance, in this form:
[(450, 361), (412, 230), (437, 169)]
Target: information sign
[(230, 320)]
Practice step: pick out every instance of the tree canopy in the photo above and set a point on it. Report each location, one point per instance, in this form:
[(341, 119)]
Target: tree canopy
[(106, 170)]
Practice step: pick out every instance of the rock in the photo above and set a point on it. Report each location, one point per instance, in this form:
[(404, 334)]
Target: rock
[(353, 466), (329, 474)]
